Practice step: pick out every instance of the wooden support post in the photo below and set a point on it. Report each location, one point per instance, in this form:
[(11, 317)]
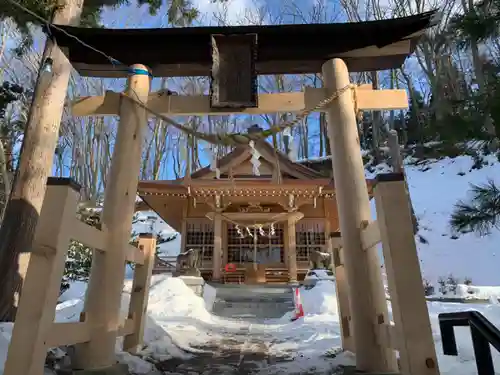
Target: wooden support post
[(224, 243), (102, 305), (291, 250), (286, 246), (217, 255), (362, 267), (409, 307), (328, 229), (184, 224), (137, 310), (342, 292), (37, 306)]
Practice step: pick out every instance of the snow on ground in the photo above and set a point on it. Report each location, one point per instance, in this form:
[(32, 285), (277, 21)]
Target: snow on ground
[(320, 304), (177, 318), (312, 340), (469, 292), (5, 334), (435, 188), (209, 294)]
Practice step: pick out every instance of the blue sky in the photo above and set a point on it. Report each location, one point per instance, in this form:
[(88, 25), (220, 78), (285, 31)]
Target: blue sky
[(232, 12)]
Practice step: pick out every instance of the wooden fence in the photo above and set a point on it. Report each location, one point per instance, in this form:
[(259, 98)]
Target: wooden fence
[(411, 333), (35, 330)]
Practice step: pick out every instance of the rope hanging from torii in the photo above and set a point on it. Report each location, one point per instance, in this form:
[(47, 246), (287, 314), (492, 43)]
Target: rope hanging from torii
[(235, 139)]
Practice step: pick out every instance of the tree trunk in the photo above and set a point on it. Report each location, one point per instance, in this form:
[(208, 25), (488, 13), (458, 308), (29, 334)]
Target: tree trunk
[(35, 165), (376, 124), (6, 180)]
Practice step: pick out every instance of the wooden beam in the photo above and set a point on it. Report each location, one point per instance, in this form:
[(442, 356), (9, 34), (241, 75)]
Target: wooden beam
[(67, 334), (138, 306), (106, 105), (94, 238), (417, 352), (87, 234), (370, 234), (63, 334), (37, 304), (177, 105), (257, 216)]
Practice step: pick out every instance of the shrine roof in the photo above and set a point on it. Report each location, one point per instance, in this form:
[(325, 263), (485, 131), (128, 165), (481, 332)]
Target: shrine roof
[(187, 187), (281, 49), (167, 198), (269, 153)]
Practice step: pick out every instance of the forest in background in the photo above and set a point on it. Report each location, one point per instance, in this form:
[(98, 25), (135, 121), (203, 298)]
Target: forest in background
[(452, 81)]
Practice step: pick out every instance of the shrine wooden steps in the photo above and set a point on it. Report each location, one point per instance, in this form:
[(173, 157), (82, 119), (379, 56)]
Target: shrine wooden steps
[(236, 277), (277, 276), (273, 276)]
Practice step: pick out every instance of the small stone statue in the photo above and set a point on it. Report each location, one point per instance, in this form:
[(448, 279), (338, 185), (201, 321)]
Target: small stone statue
[(319, 260), (188, 263)]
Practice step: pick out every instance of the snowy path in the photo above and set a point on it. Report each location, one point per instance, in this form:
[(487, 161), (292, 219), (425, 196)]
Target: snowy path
[(249, 344)]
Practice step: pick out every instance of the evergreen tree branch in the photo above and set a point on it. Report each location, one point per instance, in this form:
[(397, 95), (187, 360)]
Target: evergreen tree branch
[(481, 213)]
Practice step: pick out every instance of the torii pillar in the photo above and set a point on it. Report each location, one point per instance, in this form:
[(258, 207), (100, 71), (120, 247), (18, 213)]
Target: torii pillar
[(367, 303), (104, 293)]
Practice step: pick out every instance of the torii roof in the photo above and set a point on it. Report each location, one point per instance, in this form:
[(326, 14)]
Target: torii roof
[(281, 49)]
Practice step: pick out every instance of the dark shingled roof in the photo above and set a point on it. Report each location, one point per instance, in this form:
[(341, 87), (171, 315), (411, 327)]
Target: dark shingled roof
[(281, 49)]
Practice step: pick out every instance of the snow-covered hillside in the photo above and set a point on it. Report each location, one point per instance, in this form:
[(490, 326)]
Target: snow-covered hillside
[(435, 188), (150, 222)]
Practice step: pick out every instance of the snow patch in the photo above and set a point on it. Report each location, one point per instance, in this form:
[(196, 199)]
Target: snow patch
[(209, 295), (471, 292), (320, 300)]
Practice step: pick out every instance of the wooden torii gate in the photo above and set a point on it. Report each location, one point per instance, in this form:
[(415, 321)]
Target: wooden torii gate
[(366, 328)]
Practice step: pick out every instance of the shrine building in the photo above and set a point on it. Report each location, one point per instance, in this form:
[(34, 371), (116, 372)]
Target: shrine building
[(270, 222)]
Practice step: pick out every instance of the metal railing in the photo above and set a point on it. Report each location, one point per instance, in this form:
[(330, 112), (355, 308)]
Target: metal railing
[(483, 333), (167, 263)]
